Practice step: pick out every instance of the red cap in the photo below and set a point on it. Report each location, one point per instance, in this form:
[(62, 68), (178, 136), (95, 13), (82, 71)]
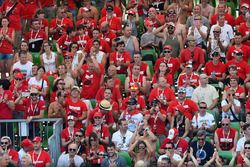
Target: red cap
[(238, 50), (17, 70), (19, 75), (68, 54), (27, 143), (131, 12), (97, 114), (168, 47), (37, 139), (172, 133)]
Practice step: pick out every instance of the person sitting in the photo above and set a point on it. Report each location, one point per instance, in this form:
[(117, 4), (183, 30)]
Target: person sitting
[(6, 147)]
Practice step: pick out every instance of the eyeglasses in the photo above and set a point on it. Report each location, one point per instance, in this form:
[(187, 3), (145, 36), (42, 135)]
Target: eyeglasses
[(101, 154), (224, 124), (97, 118), (231, 94), (45, 45), (197, 19), (18, 79), (171, 13), (201, 139), (33, 94), (216, 31), (166, 51), (4, 143), (168, 148), (78, 135), (61, 83), (74, 47), (72, 150), (171, 27), (203, 107), (247, 148), (67, 57), (141, 148)]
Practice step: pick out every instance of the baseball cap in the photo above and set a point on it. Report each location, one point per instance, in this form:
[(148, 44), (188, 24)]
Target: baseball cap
[(105, 105), (131, 12), (189, 65), (97, 114), (168, 47), (132, 101), (27, 143), (182, 89), (16, 70), (172, 133), (245, 5), (70, 117), (37, 139), (75, 88), (19, 75), (238, 51)]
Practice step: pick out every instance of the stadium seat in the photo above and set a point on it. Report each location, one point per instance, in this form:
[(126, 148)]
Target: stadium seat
[(226, 154), (93, 102), (60, 58), (127, 158), (122, 78), (158, 144), (149, 55), (151, 67), (36, 58), (51, 82), (236, 126)]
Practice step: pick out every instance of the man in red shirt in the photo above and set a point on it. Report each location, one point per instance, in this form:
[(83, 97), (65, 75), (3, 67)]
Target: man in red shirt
[(105, 109), (153, 17), (113, 21), (163, 93), (117, 10), (242, 66), (35, 37), (120, 58), (244, 8), (173, 63), (180, 144), (238, 45), (106, 32), (192, 54), (190, 106), (63, 43), (222, 11), (39, 157), (243, 158), (5, 146), (76, 107), (59, 24), (244, 29)]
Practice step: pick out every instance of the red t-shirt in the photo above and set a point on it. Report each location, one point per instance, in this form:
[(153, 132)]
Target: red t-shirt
[(43, 24), (114, 23), (13, 154), (108, 117), (143, 68), (229, 19), (245, 30), (81, 41), (219, 69), (32, 109), (71, 4), (226, 141), (22, 88), (117, 12), (65, 23), (64, 41), (156, 124), (141, 104), (5, 111), (104, 131), (65, 134), (5, 46), (76, 109), (93, 152), (89, 23), (108, 37), (115, 57), (31, 5), (15, 15), (181, 146), (173, 64), (166, 94), (91, 82), (104, 46), (240, 20), (238, 91), (242, 67), (248, 104), (46, 3), (40, 161), (198, 57), (168, 77), (116, 94), (134, 81), (245, 49), (156, 25), (32, 36), (190, 108), (183, 78)]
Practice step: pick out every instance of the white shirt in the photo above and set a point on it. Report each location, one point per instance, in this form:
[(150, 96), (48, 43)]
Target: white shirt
[(26, 69), (240, 144), (21, 153), (228, 113), (63, 160), (176, 157), (40, 83), (133, 120), (49, 64), (207, 119), (197, 35), (117, 138)]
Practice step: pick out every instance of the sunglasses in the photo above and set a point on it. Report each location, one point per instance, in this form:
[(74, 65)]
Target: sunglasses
[(78, 135), (224, 124), (201, 139), (168, 148), (130, 14), (203, 107), (231, 94), (67, 57), (4, 143), (33, 94), (171, 27), (166, 51), (97, 118), (216, 31), (18, 79), (238, 54), (101, 155), (74, 47), (142, 148), (61, 83), (247, 148), (171, 13), (72, 150)]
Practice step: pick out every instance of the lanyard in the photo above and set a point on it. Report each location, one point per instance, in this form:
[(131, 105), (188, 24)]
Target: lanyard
[(33, 157), (61, 24), (33, 109), (31, 35), (226, 137)]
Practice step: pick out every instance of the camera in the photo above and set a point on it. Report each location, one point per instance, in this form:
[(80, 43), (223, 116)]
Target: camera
[(25, 94)]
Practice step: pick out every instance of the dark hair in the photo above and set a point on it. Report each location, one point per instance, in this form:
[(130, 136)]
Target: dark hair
[(96, 40), (201, 133), (202, 102), (245, 126), (171, 143), (121, 120), (5, 83), (95, 29), (92, 135), (167, 71), (59, 93), (238, 33), (22, 52), (246, 142), (111, 144), (141, 142), (41, 67), (54, 89), (106, 78), (72, 43), (69, 30)]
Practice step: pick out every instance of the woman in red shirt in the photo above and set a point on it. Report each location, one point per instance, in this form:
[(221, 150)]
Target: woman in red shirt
[(7, 36), (163, 71)]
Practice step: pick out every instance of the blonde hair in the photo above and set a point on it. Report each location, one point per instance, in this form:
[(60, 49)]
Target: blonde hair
[(140, 163), (27, 157)]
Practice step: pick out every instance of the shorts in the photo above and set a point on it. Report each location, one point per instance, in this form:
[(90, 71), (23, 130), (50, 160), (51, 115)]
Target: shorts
[(6, 56)]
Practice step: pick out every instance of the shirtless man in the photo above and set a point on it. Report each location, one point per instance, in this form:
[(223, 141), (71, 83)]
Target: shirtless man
[(93, 10), (206, 9)]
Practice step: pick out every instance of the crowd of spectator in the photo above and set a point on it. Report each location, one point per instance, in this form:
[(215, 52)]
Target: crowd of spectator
[(136, 82)]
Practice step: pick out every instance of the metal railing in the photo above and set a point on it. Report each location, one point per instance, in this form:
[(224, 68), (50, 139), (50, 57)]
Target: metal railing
[(49, 129)]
